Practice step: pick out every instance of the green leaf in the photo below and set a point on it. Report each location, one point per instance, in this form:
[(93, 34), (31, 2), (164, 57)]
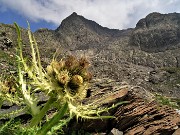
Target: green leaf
[(55, 120)]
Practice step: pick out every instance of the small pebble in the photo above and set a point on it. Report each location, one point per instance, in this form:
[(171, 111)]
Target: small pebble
[(115, 131)]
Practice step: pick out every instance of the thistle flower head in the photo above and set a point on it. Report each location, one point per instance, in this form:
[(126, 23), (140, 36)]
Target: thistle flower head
[(84, 63), (70, 73), (49, 70), (55, 67), (63, 77), (77, 80), (71, 62), (87, 76)]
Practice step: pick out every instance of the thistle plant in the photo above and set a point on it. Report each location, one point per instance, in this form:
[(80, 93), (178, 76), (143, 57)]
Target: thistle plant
[(64, 82)]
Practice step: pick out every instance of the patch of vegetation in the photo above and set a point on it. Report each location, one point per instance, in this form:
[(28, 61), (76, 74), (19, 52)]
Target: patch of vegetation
[(167, 101), (15, 127)]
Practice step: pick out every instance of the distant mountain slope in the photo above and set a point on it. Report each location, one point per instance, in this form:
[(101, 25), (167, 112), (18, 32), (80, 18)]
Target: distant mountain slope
[(147, 55), (157, 32)]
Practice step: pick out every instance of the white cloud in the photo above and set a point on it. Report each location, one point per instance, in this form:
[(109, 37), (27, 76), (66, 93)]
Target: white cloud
[(119, 14)]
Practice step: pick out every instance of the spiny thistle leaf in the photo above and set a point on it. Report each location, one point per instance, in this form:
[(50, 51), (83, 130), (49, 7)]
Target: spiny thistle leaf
[(13, 113)]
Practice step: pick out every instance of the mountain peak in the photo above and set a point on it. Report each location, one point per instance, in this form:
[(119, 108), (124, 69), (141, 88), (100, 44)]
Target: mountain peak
[(71, 20), (76, 23), (157, 19), (157, 32), (74, 14)]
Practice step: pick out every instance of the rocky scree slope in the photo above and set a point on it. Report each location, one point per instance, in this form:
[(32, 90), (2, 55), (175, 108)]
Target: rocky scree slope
[(147, 55)]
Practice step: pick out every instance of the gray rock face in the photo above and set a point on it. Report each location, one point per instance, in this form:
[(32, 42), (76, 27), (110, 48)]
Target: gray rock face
[(77, 32), (157, 32)]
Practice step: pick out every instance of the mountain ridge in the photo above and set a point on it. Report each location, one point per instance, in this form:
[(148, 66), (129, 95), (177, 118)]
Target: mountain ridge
[(130, 55), (157, 32), (74, 17)]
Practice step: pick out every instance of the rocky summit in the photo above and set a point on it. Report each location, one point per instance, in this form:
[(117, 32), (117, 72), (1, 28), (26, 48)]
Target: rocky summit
[(146, 57)]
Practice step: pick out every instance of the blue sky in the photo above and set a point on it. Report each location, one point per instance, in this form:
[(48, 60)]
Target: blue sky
[(9, 17), (118, 14)]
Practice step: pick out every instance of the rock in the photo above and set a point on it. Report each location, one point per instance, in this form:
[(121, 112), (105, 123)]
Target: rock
[(157, 32), (149, 118), (158, 76), (77, 32), (5, 43), (177, 132), (115, 131), (142, 93), (165, 81)]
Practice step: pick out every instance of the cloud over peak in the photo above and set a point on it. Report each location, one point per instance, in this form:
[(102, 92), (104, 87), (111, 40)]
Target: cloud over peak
[(119, 14)]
